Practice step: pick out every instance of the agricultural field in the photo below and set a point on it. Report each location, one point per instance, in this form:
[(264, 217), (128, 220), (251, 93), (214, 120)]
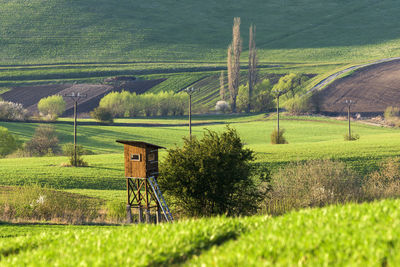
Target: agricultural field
[(353, 234), (104, 31), (309, 138)]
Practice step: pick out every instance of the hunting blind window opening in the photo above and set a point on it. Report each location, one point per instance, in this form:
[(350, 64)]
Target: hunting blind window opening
[(136, 157)]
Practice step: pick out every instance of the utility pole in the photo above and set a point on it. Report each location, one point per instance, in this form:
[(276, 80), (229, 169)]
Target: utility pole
[(349, 103), (278, 94), (190, 91), (75, 97)]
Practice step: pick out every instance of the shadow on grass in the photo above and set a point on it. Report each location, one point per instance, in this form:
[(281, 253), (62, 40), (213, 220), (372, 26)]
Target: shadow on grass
[(177, 258)]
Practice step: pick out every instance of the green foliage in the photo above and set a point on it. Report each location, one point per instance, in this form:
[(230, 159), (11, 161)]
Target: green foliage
[(125, 104), (263, 99), (52, 106), (289, 85), (278, 138), (210, 176), (298, 105), (243, 98), (74, 159), (43, 142), (102, 115), (334, 235), (349, 235), (8, 142)]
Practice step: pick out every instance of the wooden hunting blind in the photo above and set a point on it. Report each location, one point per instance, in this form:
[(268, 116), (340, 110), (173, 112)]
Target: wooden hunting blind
[(141, 172)]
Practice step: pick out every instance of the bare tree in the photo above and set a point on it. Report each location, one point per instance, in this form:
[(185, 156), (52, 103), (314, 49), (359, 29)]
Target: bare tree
[(222, 93), (234, 50), (252, 63)]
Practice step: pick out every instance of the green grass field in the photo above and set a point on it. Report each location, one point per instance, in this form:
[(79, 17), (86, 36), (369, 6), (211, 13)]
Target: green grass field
[(292, 31), (309, 138), (350, 235)]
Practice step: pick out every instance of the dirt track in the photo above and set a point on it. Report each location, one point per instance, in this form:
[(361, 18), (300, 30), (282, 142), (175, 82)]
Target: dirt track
[(373, 88)]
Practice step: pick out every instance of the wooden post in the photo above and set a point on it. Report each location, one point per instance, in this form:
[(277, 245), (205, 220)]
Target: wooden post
[(140, 215), (75, 115), (147, 216), (128, 214)]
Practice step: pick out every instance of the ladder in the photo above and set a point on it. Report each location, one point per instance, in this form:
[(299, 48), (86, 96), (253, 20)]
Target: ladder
[(160, 199)]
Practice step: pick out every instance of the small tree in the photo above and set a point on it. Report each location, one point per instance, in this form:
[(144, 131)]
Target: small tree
[(68, 150), (222, 92), (12, 111), (211, 175), (52, 106), (8, 142), (43, 142)]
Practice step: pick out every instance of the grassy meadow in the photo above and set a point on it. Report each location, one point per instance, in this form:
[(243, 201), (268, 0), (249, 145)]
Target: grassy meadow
[(349, 235), (103, 31), (309, 138)]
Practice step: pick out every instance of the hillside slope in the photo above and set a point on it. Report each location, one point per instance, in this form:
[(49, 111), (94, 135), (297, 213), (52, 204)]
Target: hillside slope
[(40, 31), (373, 88)]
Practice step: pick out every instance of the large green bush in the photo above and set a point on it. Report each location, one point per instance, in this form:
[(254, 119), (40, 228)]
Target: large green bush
[(51, 107), (8, 142), (102, 115), (210, 176)]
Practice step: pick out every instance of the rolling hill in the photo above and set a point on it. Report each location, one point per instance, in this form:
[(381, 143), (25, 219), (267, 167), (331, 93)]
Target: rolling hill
[(54, 31)]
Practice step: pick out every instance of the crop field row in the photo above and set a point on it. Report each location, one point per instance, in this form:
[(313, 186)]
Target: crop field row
[(354, 234)]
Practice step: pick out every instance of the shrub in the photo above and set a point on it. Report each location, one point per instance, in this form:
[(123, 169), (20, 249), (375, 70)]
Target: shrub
[(352, 137), (385, 182), (52, 106), (278, 138), (32, 202), (8, 142), (312, 184), (43, 142), (222, 106), (298, 105), (12, 111), (210, 176), (392, 116), (102, 115), (392, 112), (69, 151)]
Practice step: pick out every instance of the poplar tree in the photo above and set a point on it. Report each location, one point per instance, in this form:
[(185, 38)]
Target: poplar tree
[(234, 51), (252, 64)]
